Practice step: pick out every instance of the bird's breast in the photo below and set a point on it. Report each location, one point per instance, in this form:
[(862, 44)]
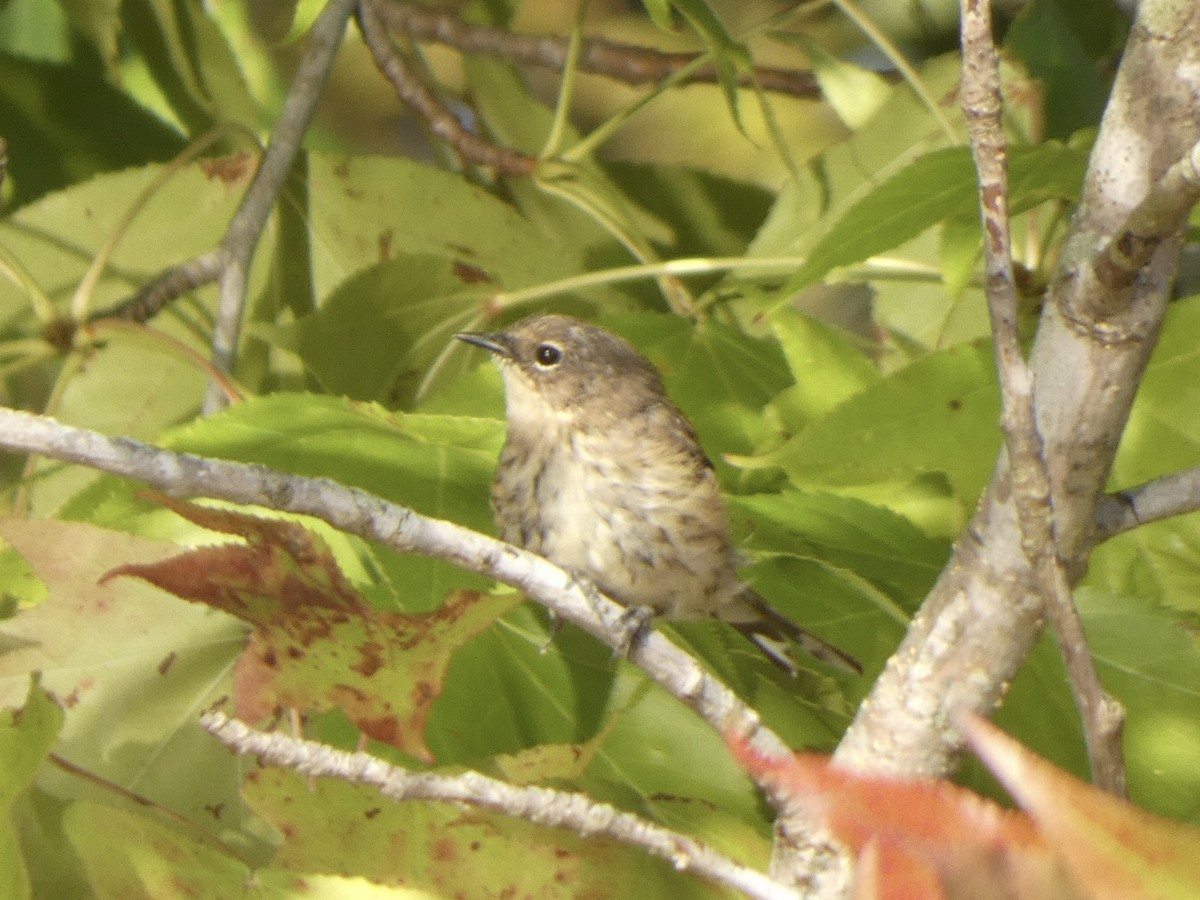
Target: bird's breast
[(643, 523)]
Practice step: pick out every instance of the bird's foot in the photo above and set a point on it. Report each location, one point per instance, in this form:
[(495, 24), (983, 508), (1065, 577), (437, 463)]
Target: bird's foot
[(632, 625)]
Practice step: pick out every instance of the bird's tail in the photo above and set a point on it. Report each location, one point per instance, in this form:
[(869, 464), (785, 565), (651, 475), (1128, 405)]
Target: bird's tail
[(775, 634)]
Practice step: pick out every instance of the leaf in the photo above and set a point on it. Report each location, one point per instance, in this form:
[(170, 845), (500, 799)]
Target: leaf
[(1113, 849), (827, 367), (191, 62), (26, 736), (127, 854), (316, 644), (660, 13), (960, 249), (920, 834), (65, 123), (380, 332), (729, 55), (132, 665), (439, 465), (938, 186), (856, 94), (340, 829), (368, 210), (938, 415), (1051, 46), (1148, 657)]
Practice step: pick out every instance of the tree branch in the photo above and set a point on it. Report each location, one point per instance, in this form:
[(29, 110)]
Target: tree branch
[(1102, 716), (357, 512), (440, 121), (247, 225), (1171, 495), (541, 806), (982, 617), (621, 62)]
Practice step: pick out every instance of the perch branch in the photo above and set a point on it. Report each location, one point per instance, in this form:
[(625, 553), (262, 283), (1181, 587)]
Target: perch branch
[(1102, 716), (357, 512), (541, 806)]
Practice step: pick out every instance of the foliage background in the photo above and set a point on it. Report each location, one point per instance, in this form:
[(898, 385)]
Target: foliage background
[(844, 387)]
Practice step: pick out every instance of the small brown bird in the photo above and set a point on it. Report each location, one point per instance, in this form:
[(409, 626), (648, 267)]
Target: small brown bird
[(602, 475)]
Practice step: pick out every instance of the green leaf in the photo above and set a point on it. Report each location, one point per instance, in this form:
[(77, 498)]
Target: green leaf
[(708, 215), (370, 209), (382, 333), (938, 415), (1073, 87), (938, 186), (959, 251), (856, 94), (65, 123), (660, 13), (135, 663), (127, 854), (26, 736), (826, 364), (191, 62), (729, 56), (1149, 659), (336, 828)]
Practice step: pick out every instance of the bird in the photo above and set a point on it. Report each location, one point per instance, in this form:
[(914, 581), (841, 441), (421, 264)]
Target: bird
[(602, 475)]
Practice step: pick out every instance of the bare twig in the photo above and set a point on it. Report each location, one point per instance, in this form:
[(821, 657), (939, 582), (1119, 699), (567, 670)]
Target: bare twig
[(542, 806), (358, 512), (1103, 718), (621, 62), (438, 119), (241, 238), (168, 285), (1171, 495)]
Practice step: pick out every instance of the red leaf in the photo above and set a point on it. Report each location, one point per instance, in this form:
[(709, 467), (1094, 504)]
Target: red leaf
[(920, 833), (317, 644)]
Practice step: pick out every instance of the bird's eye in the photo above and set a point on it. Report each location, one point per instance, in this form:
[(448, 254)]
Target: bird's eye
[(547, 355)]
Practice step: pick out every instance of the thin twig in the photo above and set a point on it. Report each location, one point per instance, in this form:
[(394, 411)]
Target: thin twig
[(165, 287), (248, 222), (440, 121), (982, 103), (542, 806), (621, 62), (1171, 495), (357, 512)]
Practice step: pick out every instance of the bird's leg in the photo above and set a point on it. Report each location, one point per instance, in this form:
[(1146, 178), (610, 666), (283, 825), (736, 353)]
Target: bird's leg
[(555, 628), (634, 622), (631, 624)]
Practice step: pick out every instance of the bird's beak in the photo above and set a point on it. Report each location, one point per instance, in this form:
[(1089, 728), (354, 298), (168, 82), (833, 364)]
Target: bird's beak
[(496, 343)]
